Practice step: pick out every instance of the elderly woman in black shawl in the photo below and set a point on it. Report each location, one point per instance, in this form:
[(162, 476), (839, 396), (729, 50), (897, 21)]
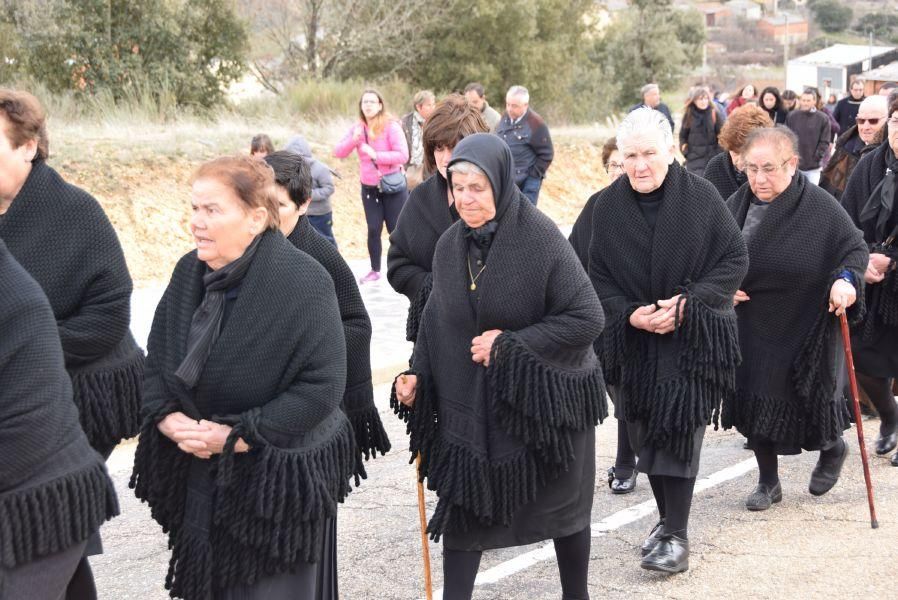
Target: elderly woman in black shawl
[(506, 389), (244, 451), (294, 193), (806, 261), (723, 170), (666, 258), (54, 490), (870, 200), (429, 210)]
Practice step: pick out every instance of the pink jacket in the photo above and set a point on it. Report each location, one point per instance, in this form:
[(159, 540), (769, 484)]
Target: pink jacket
[(391, 148)]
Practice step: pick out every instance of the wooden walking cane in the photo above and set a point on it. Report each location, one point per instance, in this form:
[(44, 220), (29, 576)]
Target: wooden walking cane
[(846, 343), (425, 546)]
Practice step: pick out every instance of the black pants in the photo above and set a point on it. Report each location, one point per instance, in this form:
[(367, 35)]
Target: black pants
[(379, 209), (571, 552)]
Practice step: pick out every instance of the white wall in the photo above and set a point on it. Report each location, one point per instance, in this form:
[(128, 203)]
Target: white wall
[(800, 75)]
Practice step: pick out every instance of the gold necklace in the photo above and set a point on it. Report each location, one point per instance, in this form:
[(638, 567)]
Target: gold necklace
[(472, 276)]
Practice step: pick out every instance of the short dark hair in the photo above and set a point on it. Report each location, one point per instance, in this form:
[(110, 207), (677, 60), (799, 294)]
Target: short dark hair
[(26, 120), (788, 95), (261, 143), (608, 147), (451, 120), (292, 173), (475, 87)]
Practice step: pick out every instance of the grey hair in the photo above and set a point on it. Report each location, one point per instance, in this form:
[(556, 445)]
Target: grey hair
[(519, 91), (466, 168), (649, 87), (644, 120), (422, 97), (877, 103), (780, 136)]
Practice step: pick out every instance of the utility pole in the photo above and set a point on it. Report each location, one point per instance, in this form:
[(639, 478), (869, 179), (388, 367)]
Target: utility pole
[(786, 52)]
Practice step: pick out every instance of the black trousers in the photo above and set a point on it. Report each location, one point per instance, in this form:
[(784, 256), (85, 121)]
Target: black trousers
[(380, 208)]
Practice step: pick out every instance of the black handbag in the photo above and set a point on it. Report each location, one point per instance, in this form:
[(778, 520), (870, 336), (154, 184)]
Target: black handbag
[(391, 183)]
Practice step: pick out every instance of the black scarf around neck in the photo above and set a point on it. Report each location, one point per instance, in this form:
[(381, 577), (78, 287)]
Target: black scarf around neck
[(879, 206), (205, 326)]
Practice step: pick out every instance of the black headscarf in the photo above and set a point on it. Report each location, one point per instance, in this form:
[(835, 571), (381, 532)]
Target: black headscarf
[(491, 439)]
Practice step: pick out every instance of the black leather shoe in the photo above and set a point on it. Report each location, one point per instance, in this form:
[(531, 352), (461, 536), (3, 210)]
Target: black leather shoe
[(764, 496), (826, 473), (621, 486), (671, 555), (886, 443), (895, 460), (650, 542)]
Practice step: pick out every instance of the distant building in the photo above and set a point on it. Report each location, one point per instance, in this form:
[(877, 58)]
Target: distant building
[(745, 9), (784, 27), (874, 78), (715, 13), (832, 69)]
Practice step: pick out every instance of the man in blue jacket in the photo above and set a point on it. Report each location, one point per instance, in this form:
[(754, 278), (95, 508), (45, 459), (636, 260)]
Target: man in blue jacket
[(526, 134)]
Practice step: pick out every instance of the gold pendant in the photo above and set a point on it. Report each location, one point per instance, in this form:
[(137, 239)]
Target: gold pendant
[(473, 286)]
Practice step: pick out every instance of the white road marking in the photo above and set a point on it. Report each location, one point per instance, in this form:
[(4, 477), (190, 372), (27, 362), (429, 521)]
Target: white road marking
[(609, 523)]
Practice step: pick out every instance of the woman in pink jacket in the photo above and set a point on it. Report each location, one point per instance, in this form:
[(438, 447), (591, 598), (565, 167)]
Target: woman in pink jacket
[(380, 143)]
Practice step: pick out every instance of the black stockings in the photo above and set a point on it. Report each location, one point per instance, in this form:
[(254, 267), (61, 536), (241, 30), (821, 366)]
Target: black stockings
[(880, 392), (768, 467), (625, 461), (673, 495)]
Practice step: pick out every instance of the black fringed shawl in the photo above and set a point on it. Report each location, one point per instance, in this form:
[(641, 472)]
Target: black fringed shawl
[(674, 382), (277, 374), (54, 490), (791, 349), (424, 218), (881, 322), (62, 237), (492, 438), (581, 232), (358, 400), (723, 175)]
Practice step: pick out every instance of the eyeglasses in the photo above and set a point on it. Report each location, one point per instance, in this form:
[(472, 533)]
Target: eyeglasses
[(614, 166), (768, 170), (874, 121)]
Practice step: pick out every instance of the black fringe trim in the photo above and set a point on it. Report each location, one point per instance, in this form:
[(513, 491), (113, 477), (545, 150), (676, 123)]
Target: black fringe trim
[(109, 400), (542, 405), (416, 308), (370, 435), (619, 349), (784, 420), (421, 420), (54, 516)]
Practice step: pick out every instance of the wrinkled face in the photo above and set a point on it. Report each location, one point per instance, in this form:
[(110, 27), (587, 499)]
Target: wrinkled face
[(515, 107), (869, 122), (857, 90), (425, 109), (222, 226), (441, 157), (748, 92), (807, 102), (371, 105), (769, 169), (652, 98), (15, 163), (474, 198), (893, 132), (702, 102), (474, 99), (615, 166), (288, 211), (646, 161), (769, 101)]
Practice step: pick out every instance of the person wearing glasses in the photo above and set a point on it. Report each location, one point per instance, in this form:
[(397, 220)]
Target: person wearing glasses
[(806, 265), (869, 199), (860, 138), (622, 476), (814, 133)]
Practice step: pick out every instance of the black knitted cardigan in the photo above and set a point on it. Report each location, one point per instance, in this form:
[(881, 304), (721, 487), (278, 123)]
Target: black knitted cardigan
[(792, 355), (62, 237), (358, 400), (492, 438), (723, 175), (423, 220), (673, 383), (54, 490), (882, 299), (276, 374)]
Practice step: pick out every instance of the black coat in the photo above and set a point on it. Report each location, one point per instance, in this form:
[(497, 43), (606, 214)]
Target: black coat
[(277, 374), (875, 341), (54, 490), (814, 136), (62, 237), (673, 383), (846, 111), (358, 400), (723, 175), (498, 442), (581, 232), (792, 356), (424, 218), (698, 137)]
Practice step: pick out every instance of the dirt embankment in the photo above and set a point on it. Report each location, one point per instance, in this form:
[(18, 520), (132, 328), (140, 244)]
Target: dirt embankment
[(147, 199)]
